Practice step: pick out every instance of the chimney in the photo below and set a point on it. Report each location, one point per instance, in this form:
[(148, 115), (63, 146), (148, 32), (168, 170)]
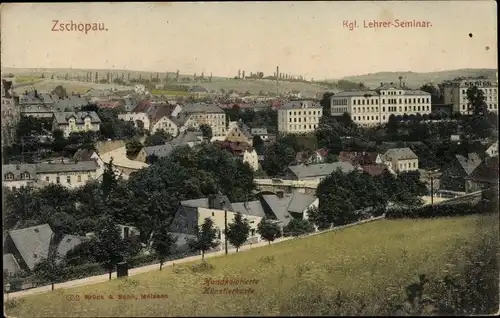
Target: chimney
[(280, 194), (392, 83), (18, 167)]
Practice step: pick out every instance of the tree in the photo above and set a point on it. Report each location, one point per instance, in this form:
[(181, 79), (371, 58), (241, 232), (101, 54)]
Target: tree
[(206, 131), (268, 230), (297, 227), (206, 238), (133, 147), (111, 248), (50, 269), (477, 102), (160, 137), (436, 95), (60, 91), (109, 180), (162, 243), (325, 103), (238, 231)]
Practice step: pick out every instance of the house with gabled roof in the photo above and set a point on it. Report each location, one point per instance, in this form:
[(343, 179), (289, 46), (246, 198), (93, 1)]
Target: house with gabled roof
[(153, 117), (484, 176), (192, 213), (239, 132), (69, 122), (29, 246), (454, 174), (401, 159), (285, 207)]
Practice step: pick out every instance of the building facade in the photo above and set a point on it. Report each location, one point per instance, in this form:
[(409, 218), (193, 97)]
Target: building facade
[(373, 107), (401, 160), (455, 92), (70, 122), (299, 117), (70, 175), (195, 115)]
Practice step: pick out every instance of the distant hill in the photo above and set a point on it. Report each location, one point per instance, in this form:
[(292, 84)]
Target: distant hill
[(415, 80)]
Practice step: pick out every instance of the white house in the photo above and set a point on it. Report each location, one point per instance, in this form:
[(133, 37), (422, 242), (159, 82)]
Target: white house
[(70, 122), (401, 159), (251, 157)]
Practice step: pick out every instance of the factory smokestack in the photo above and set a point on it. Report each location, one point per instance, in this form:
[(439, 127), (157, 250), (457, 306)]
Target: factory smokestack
[(277, 80)]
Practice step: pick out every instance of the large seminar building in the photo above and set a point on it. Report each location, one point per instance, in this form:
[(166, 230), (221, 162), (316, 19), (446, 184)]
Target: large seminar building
[(455, 92), (373, 107)]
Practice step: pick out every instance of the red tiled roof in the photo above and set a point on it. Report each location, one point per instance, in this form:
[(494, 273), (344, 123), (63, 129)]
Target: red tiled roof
[(358, 158), (108, 104), (374, 169), (142, 106)]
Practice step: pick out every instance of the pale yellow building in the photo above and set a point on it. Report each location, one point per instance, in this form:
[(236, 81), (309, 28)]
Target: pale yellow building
[(68, 174), (401, 160), (239, 132), (195, 115), (455, 92), (299, 117), (373, 107)]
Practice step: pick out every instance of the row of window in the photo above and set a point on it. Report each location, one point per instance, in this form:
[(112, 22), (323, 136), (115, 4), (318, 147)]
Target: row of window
[(487, 91), (392, 93), (68, 179), (27, 176), (305, 112), (24, 176), (342, 101), (392, 101), (340, 110), (490, 106), (403, 166), (391, 109), (302, 127), (308, 119)]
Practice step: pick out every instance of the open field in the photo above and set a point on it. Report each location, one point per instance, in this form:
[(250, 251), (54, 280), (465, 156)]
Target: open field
[(415, 80), (253, 86), (294, 277), (168, 93), (48, 85)]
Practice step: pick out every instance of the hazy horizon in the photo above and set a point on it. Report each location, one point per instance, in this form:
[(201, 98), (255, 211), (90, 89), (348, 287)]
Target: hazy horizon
[(308, 39)]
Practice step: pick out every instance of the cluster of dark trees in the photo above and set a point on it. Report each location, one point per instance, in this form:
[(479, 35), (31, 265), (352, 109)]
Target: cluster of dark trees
[(30, 138), (347, 198), (266, 118)]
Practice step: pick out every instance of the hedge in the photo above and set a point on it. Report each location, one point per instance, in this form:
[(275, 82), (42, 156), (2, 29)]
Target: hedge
[(430, 211)]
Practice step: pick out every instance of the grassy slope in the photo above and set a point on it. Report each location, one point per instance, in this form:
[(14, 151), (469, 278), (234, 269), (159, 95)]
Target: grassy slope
[(415, 80), (364, 260)]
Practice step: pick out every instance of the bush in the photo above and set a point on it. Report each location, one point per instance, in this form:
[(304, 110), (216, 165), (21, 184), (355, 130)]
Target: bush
[(429, 211), (202, 267)]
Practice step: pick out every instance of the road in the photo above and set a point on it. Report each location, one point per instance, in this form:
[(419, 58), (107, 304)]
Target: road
[(149, 268)]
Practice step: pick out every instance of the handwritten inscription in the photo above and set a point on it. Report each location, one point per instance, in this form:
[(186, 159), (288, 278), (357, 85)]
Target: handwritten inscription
[(208, 286), (380, 24), (97, 297), (61, 26)]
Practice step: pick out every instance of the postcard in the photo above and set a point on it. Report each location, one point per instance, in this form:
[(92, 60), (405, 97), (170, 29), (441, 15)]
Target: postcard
[(172, 159)]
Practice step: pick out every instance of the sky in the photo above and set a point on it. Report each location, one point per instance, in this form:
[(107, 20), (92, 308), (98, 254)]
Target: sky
[(303, 38)]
